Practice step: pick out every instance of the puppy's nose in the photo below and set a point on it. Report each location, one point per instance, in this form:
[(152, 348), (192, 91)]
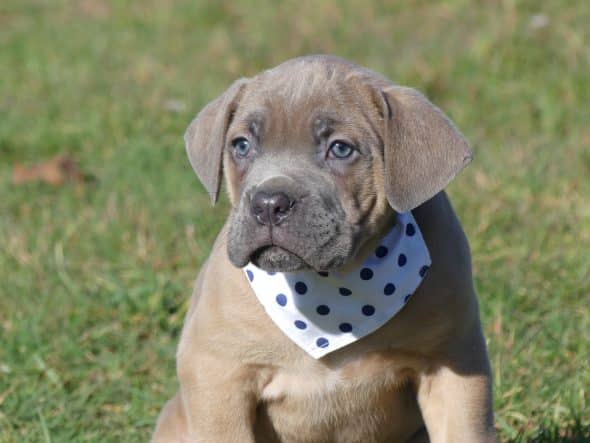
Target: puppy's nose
[(271, 208)]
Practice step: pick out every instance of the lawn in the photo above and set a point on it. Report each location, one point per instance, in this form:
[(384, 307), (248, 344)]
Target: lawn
[(95, 274)]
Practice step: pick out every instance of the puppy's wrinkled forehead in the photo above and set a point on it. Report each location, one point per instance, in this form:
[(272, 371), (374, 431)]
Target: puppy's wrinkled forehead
[(300, 80), (299, 95)]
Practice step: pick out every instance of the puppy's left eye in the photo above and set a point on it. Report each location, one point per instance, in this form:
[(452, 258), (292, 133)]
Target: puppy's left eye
[(340, 150), (241, 147)]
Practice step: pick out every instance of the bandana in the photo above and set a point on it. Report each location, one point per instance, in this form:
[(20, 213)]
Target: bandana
[(325, 311)]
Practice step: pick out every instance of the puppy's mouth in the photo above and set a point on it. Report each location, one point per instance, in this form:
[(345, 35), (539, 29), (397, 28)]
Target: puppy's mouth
[(273, 258), (316, 240)]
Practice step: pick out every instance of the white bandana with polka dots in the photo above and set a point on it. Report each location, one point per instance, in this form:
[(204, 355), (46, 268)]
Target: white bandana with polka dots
[(325, 311)]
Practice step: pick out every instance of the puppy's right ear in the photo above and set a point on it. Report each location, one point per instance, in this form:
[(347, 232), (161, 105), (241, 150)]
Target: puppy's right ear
[(205, 137)]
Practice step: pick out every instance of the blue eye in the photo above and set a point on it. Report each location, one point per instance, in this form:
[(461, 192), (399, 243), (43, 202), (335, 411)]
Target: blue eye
[(241, 146), (340, 150)]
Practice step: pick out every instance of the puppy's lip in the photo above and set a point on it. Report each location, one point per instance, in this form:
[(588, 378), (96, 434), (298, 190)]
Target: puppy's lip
[(272, 243), (256, 255), (260, 249)]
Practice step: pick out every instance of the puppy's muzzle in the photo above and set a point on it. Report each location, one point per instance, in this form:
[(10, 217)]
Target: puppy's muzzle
[(271, 208)]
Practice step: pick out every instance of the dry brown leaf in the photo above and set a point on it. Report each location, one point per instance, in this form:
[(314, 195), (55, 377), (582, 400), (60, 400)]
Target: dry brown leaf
[(55, 171)]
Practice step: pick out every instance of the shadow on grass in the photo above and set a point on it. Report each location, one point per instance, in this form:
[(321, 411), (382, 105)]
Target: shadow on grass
[(573, 432)]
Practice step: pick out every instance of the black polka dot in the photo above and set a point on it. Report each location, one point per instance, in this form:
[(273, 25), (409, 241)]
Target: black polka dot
[(381, 251), (410, 229), (407, 297), (300, 287), (345, 291), (402, 260), (423, 271), (250, 275), (345, 327), (300, 324), (281, 299), (366, 274), (389, 289), (322, 342), (323, 273), (323, 310), (368, 310)]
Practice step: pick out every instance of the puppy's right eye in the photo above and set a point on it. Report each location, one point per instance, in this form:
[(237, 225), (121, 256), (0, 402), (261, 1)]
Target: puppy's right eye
[(241, 147), (340, 150)]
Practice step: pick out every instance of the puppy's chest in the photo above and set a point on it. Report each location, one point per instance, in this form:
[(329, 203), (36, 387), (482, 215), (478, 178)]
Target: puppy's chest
[(363, 398)]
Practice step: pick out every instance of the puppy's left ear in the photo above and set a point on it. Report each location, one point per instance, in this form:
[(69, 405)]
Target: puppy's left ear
[(205, 137), (424, 150)]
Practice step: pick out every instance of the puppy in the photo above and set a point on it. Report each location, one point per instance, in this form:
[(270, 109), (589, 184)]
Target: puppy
[(337, 304)]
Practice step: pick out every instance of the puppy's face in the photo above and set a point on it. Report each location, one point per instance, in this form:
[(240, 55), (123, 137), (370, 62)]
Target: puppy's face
[(318, 154), (304, 171)]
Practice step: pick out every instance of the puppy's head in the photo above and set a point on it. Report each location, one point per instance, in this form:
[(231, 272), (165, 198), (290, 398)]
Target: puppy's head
[(318, 155)]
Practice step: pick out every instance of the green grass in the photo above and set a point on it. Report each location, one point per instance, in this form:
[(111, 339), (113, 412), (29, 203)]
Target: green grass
[(94, 278)]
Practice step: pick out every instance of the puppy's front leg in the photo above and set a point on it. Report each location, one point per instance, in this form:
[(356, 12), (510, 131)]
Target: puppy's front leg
[(219, 402), (456, 398)]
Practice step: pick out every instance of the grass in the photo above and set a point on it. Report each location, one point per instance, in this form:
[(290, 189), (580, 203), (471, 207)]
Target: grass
[(94, 278)]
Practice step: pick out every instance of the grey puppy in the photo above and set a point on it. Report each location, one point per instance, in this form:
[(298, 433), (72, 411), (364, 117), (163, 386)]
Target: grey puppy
[(319, 157)]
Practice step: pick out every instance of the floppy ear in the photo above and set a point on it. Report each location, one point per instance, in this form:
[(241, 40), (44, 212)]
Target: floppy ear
[(205, 137), (423, 148)]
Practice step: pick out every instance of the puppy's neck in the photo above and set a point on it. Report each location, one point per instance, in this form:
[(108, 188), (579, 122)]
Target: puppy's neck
[(369, 245)]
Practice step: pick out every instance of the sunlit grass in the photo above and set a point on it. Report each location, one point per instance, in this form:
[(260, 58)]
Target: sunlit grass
[(94, 277)]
